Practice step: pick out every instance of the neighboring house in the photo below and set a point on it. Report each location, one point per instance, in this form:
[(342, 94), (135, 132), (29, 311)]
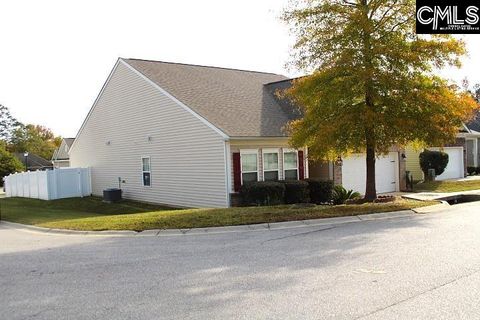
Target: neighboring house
[(473, 142), (190, 136), (457, 158), (60, 157), (33, 162)]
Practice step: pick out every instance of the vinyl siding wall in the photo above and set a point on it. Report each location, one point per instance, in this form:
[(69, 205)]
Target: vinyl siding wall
[(261, 144), (61, 163), (133, 119), (413, 162)]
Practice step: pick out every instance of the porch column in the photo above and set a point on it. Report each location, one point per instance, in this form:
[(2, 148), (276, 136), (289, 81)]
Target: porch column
[(337, 174)]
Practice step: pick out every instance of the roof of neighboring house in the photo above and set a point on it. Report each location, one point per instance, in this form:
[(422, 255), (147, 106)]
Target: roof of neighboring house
[(238, 102), (61, 153), (69, 141), (33, 161), (474, 124)]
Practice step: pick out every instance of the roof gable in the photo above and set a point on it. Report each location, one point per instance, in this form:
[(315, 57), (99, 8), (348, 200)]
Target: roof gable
[(61, 153)]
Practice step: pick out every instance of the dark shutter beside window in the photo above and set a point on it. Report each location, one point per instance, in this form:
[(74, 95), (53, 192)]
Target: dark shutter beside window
[(237, 180), (301, 167)]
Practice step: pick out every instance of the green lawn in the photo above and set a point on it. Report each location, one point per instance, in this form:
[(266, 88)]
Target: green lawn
[(92, 214), (447, 186)]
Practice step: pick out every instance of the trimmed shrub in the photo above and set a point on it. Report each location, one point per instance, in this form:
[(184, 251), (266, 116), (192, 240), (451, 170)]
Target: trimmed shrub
[(472, 170), (296, 191), (320, 190), (263, 193), (342, 195), (437, 160), (477, 170)]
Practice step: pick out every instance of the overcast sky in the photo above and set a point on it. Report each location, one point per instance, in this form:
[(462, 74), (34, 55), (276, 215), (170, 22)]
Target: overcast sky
[(56, 55)]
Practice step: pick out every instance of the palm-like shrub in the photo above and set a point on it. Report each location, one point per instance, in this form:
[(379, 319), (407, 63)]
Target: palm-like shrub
[(341, 195)]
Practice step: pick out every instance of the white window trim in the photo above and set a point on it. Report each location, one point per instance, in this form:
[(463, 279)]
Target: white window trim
[(271, 150), (248, 151), (287, 150), (149, 171)]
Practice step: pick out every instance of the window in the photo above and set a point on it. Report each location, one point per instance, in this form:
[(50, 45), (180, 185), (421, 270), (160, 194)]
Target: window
[(146, 172), (290, 164), (270, 164), (249, 165)]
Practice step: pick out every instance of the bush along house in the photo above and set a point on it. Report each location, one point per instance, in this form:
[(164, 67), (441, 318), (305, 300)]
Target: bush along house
[(190, 136)]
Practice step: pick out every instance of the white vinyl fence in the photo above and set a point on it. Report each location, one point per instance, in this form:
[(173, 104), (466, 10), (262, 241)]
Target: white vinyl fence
[(50, 184)]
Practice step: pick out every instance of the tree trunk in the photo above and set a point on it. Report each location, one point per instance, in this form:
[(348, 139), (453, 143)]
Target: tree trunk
[(371, 188), (370, 141)]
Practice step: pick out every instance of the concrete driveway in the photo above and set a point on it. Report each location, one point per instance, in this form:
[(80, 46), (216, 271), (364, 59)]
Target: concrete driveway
[(424, 267)]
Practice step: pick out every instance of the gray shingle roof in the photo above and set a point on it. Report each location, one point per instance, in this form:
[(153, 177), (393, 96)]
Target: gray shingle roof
[(34, 161), (474, 124), (238, 102), (69, 141)]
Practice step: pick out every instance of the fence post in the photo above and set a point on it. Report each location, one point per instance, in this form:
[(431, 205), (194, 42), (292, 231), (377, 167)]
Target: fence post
[(79, 179), (5, 185), (89, 180), (22, 188), (38, 184), (54, 194)]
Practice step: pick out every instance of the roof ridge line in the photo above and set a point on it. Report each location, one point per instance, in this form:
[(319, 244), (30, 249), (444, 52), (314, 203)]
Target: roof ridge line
[(203, 66), (289, 79)]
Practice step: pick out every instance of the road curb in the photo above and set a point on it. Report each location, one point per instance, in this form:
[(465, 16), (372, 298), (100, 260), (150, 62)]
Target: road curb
[(434, 208), (229, 229)]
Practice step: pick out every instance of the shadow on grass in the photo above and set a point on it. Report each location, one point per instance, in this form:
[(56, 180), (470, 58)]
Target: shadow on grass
[(35, 211), (93, 214)]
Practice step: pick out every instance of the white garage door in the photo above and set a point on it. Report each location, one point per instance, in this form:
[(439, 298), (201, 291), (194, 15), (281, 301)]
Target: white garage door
[(354, 173), (454, 169)]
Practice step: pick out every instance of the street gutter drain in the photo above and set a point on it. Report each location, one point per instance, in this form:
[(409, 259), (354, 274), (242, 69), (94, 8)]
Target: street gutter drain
[(461, 198)]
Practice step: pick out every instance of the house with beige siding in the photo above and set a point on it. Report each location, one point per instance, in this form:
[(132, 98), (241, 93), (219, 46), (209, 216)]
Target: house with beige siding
[(61, 158), (190, 136), (457, 157), (472, 144)]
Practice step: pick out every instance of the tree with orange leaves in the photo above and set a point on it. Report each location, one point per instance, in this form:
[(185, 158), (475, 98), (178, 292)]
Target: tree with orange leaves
[(372, 81)]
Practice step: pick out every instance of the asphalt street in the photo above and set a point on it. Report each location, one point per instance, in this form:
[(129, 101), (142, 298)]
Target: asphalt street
[(419, 267)]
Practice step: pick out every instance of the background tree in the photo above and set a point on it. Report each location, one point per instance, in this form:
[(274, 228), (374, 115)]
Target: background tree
[(7, 124), (371, 82), (35, 139), (8, 163)]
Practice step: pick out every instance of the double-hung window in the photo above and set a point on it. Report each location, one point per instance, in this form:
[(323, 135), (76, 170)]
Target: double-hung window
[(146, 172), (270, 165), (290, 164), (249, 165)]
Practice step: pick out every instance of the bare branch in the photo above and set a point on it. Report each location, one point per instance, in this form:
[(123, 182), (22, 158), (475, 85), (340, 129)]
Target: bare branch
[(385, 14), (349, 4)]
